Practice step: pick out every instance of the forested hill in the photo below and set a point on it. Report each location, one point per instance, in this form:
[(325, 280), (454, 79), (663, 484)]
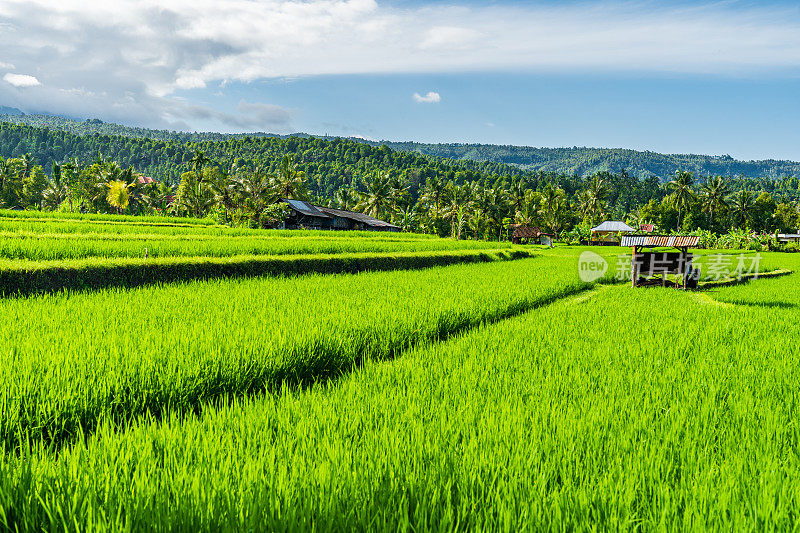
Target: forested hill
[(491, 158), (330, 164), (587, 161)]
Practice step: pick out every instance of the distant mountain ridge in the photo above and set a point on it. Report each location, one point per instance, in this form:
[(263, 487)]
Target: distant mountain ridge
[(579, 161), (586, 161)]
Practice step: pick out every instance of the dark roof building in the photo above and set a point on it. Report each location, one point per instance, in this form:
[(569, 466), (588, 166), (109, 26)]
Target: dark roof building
[(307, 215)]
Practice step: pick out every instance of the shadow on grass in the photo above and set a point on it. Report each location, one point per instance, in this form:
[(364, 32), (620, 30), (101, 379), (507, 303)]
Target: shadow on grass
[(779, 305), (19, 281), (318, 362)]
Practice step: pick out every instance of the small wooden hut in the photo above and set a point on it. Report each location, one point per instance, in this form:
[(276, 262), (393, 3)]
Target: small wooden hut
[(609, 232), (530, 234), (651, 267)]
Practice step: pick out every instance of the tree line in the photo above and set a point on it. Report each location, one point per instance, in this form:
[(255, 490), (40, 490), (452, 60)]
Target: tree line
[(442, 203), (501, 159)]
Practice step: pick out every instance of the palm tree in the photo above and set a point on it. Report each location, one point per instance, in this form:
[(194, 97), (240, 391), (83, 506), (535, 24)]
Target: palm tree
[(713, 195), (57, 191), (528, 215), (11, 187), (197, 162), (459, 202), (289, 182), (27, 165), (517, 195), (742, 206), (433, 194), (553, 207), (683, 194), (118, 195), (256, 192), (478, 223), (408, 219), (377, 199), (224, 189), (593, 199), (345, 198)]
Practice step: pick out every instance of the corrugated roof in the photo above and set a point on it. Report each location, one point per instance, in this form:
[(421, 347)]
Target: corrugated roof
[(360, 217), (613, 226), (305, 208), (528, 232), (660, 240)]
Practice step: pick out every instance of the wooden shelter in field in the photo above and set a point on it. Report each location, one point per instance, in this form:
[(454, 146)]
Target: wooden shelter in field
[(530, 234), (788, 237), (609, 232), (650, 267), (309, 216)]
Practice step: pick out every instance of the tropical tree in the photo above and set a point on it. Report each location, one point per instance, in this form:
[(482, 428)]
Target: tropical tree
[(118, 195), (713, 195), (10, 183), (459, 202), (58, 190), (409, 218), (345, 198), (682, 195), (554, 208), (224, 188), (741, 207), (289, 181), (192, 196), (378, 198), (256, 194), (593, 199), (529, 214)]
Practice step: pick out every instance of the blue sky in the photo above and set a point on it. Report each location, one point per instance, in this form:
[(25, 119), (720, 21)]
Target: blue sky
[(746, 118), (703, 77)]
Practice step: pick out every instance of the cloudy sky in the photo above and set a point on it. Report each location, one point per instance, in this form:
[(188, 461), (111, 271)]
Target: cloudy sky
[(714, 77)]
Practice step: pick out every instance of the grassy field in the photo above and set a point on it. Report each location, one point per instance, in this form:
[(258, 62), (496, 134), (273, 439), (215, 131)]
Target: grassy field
[(46, 253), (36, 239), (543, 421), (501, 396)]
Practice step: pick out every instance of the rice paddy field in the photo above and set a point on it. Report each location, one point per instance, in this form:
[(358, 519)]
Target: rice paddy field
[(93, 236), (500, 396)]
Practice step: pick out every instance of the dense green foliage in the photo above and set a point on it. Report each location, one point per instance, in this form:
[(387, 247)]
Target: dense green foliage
[(587, 161), (239, 180), (579, 161), (545, 421)]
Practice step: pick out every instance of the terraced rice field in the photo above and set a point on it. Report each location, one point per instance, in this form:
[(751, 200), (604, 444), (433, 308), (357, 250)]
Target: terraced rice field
[(65, 239), (496, 396)]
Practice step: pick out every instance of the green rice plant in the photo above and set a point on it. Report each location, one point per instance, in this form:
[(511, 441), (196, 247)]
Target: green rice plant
[(22, 278), (68, 360), (39, 247), (614, 409), (137, 219)]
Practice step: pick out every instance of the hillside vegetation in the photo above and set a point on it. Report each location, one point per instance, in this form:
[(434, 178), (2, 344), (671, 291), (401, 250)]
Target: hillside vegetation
[(581, 161), (586, 161), (240, 181)]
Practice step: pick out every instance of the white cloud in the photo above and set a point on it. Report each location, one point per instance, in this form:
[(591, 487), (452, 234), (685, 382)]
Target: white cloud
[(21, 80), (6, 66), (450, 37), (430, 98), (163, 47)]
